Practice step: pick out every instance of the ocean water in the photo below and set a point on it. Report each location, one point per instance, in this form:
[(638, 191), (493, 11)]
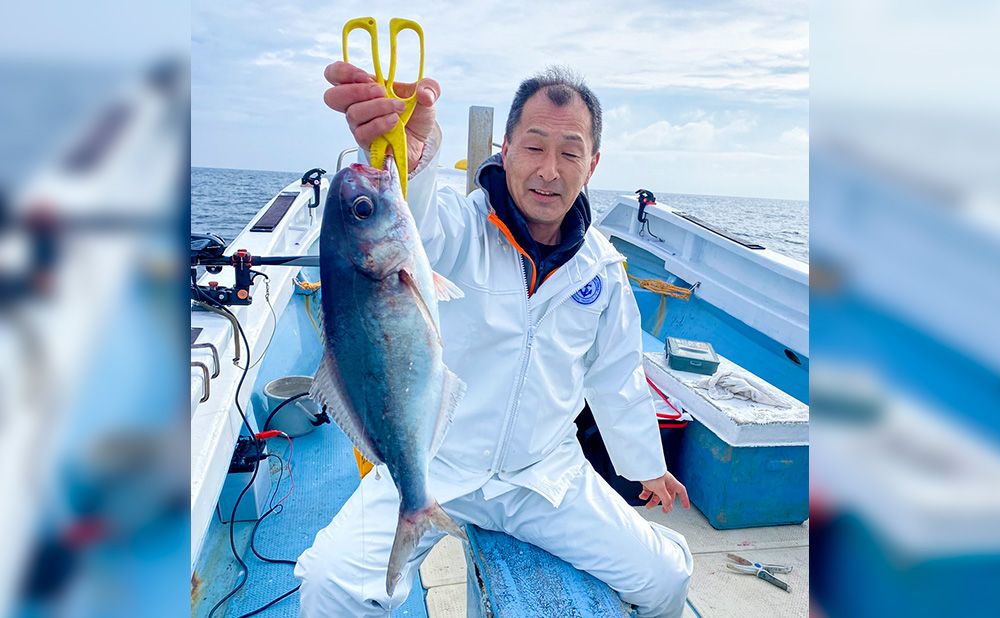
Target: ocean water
[(224, 200)]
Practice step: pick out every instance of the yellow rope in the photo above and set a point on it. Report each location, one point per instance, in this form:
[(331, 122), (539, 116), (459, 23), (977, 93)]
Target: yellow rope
[(662, 287), (661, 313), (312, 318), (308, 285)]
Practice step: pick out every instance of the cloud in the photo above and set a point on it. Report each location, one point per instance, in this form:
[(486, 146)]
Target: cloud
[(702, 134), (733, 75), (748, 50), (796, 137), (281, 58), (620, 113)]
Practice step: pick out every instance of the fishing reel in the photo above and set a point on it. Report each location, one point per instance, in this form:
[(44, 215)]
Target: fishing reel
[(207, 250), (32, 274)]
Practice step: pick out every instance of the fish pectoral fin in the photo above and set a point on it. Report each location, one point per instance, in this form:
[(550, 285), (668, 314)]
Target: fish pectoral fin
[(452, 392), (328, 390), (445, 289), (410, 282)]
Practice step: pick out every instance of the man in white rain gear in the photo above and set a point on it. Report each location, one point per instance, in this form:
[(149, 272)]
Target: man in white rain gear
[(548, 319)]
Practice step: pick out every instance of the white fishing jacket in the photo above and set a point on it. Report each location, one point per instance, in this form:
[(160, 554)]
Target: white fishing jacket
[(529, 363)]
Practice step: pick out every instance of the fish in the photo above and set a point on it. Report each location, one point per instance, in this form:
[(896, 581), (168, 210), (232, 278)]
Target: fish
[(382, 376)]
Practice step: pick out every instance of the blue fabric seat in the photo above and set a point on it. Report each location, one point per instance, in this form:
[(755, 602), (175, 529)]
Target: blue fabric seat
[(509, 578)]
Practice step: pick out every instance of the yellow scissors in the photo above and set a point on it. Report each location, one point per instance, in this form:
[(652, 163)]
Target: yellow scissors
[(396, 136)]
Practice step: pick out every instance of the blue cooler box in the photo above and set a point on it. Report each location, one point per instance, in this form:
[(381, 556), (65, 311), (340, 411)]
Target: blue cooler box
[(744, 463), (741, 487)]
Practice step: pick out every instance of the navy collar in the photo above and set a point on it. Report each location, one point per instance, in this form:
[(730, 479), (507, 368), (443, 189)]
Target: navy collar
[(493, 180)]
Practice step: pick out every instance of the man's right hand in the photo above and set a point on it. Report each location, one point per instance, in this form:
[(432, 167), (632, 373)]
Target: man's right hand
[(370, 113)]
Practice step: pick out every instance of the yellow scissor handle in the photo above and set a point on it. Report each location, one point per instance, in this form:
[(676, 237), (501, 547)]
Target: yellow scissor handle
[(397, 25), (396, 136), (368, 25)]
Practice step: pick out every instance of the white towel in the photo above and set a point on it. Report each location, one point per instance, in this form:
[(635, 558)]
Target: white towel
[(730, 384)]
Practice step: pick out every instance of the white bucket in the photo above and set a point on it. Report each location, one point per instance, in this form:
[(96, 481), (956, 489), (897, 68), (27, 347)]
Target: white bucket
[(298, 417)]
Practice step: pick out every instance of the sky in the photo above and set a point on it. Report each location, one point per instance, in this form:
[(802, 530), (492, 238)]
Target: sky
[(698, 97)]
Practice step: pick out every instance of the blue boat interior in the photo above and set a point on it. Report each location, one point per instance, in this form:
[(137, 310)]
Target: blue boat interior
[(323, 465), (324, 473), (696, 319)]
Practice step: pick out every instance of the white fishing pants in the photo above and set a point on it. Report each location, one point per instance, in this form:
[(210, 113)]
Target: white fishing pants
[(594, 529)]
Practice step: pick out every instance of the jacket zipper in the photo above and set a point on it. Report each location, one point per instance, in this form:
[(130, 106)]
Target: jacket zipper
[(525, 356), (522, 374), (532, 329)]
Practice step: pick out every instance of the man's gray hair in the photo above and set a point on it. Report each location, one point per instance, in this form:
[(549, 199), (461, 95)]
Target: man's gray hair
[(559, 84)]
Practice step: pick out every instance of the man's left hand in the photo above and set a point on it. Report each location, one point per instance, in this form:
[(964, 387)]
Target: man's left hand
[(662, 491)]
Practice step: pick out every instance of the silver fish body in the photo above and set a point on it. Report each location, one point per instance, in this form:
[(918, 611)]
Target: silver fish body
[(382, 376)]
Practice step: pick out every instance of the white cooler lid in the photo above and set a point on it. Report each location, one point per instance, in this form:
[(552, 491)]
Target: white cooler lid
[(737, 422)]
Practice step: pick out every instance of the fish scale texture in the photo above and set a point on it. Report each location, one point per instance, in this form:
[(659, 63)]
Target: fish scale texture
[(325, 477)]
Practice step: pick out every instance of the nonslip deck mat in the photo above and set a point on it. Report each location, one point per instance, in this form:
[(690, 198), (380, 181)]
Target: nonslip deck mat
[(520, 580), (447, 601), (445, 564), (325, 477)]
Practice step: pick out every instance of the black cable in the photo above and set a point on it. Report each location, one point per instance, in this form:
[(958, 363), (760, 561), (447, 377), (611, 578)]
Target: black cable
[(272, 603), (211, 301), (281, 473), (280, 406), (275, 508), (245, 576), (253, 536), (645, 227), (232, 519)]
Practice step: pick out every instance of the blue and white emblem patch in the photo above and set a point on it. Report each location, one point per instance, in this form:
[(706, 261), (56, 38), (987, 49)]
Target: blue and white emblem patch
[(590, 292)]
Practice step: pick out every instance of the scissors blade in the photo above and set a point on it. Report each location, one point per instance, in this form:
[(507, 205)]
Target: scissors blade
[(773, 568)]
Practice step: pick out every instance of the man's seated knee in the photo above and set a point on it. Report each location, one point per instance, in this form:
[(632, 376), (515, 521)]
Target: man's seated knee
[(663, 593)]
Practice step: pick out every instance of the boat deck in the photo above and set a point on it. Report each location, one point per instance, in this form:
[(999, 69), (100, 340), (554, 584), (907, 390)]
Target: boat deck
[(715, 590), (325, 475)]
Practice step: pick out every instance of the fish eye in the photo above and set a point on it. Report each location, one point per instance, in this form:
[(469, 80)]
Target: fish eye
[(362, 207)]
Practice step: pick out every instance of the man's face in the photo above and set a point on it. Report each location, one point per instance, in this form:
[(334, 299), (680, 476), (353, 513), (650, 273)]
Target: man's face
[(548, 159)]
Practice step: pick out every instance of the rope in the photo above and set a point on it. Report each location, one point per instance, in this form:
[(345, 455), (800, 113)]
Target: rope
[(308, 285), (661, 313), (662, 287), (312, 318)]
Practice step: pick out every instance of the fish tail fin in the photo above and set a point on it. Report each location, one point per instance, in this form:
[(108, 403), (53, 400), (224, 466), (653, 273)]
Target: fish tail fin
[(443, 522), (409, 529)]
